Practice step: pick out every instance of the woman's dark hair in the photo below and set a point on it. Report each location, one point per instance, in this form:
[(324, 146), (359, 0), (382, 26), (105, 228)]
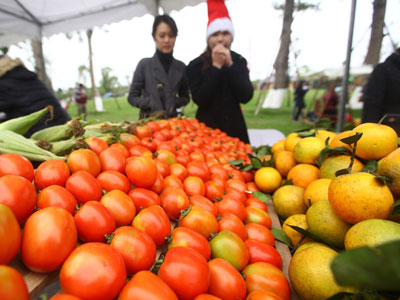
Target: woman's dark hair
[(207, 60), (165, 19)]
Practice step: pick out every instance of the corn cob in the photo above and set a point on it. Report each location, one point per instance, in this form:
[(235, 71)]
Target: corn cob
[(60, 132)]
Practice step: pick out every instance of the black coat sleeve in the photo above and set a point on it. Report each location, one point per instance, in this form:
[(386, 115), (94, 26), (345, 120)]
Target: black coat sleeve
[(239, 80), (135, 97), (203, 86), (374, 95), (183, 93)]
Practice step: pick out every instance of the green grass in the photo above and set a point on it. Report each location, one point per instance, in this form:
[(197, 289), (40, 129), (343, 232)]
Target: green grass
[(118, 110)]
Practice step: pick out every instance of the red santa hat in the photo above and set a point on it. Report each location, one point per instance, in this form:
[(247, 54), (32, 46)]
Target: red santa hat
[(218, 18)]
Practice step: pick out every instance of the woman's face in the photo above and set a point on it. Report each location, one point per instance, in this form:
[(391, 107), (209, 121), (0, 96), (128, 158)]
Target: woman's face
[(220, 37), (164, 38)]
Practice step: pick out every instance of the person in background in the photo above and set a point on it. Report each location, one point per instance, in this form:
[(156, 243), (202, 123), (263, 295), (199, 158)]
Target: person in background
[(299, 104), (219, 78), (22, 93), (330, 100), (159, 82), (80, 98), (381, 95)]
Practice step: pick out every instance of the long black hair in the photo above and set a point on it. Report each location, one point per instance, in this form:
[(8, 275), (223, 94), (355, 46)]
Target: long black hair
[(167, 20)]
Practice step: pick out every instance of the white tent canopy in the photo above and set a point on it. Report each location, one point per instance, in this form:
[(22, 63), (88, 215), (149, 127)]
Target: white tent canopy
[(33, 19), (339, 72)]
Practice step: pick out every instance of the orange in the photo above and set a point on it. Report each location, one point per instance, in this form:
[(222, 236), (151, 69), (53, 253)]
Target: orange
[(317, 191), (267, 179), (376, 142), (324, 134), (298, 220), (291, 141), (360, 196), (390, 166), (278, 146), (288, 201), (303, 174), (307, 150), (338, 162), (335, 141), (284, 161)]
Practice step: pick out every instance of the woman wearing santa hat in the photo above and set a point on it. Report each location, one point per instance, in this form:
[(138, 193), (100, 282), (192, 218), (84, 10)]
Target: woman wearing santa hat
[(219, 78), (159, 83)]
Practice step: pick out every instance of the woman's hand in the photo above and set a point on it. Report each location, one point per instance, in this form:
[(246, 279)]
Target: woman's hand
[(221, 56)]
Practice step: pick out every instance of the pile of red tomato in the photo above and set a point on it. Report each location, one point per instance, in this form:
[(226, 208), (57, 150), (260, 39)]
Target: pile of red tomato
[(168, 188)]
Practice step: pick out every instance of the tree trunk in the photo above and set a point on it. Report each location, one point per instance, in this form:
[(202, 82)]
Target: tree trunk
[(375, 42), (281, 62), (40, 67), (98, 103)]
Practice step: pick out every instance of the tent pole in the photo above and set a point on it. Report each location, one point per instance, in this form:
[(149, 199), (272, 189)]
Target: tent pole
[(343, 96)]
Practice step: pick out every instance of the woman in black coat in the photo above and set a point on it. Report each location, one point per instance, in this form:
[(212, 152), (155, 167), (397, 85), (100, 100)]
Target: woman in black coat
[(159, 82), (219, 81)]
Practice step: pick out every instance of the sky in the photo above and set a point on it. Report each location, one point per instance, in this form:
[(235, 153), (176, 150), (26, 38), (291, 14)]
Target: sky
[(319, 37)]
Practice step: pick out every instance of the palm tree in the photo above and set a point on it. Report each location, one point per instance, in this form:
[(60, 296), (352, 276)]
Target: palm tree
[(375, 41)]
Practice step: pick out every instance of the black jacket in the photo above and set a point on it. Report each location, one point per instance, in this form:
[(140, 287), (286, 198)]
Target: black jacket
[(218, 94), (152, 89), (22, 93), (382, 93)]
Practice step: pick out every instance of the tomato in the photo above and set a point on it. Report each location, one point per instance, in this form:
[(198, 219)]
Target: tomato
[(197, 155), (162, 167), (173, 180), (154, 221), (93, 271), (200, 220), (198, 169), (260, 233), (252, 187), (112, 160), (12, 284), (220, 171), (166, 156), (146, 285), (256, 203), (182, 159), (141, 171), (113, 180), (159, 185), (143, 131), (121, 207), (65, 297), (179, 170), (213, 190), (173, 201), (229, 205), (128, 140), (236, 194), (232, 223), (236, 184), (84, 186), (96, 144), (56, 196), (19, 195), (186, 271), (10, 235), (49, 237), (263, 295), (149, 143), (153, 125), (84, 160), (167, 145), (139, 150), (205, 203), (265, 276), (186, 237), (206, 297), (51, 172), (136, 247), (257, 215), (121, 148), (229, 246), (93, 222), (143, 198), (226, 282), (259, 251), (15, 164), (194, 186)]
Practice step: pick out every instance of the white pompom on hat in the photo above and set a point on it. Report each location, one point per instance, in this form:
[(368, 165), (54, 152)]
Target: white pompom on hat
[(218, 18)]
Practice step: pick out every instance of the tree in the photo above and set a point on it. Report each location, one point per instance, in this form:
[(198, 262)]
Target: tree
[(40, 66), (375, 41), (108, 82), (98, 103), (281, 63), (83, 71)]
